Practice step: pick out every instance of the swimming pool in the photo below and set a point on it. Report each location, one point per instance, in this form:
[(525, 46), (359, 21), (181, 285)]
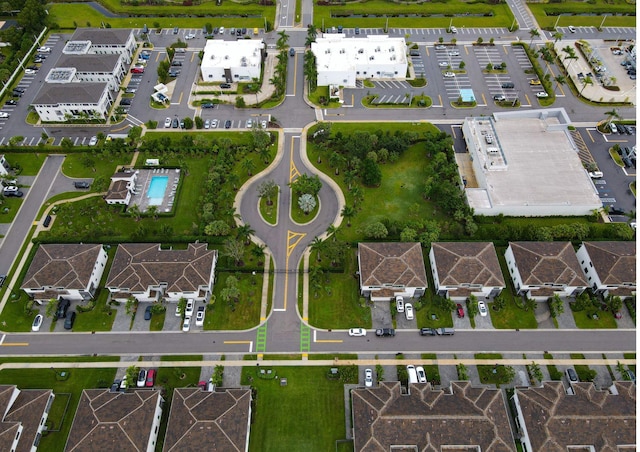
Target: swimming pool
[(156, 190)]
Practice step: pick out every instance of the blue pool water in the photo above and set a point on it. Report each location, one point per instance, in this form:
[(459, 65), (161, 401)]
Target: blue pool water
[(156, 190)]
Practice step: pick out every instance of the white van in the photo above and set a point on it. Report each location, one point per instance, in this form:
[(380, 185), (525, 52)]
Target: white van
[(413, 375)]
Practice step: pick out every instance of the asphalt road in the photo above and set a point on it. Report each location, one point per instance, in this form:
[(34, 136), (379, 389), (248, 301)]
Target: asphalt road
[(130, 343), (34, 198)]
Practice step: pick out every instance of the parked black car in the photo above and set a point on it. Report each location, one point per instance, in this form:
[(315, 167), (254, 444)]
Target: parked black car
[(428, 332), (81, 184), (385, 332), (63, 306), (69, 319)]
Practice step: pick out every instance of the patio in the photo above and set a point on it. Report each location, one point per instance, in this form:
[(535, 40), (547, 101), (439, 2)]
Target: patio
[(141, 196)]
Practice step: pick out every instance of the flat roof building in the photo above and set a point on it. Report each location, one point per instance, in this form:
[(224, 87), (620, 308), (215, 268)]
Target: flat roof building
[(232, 61), (527, 164), (341, 61)]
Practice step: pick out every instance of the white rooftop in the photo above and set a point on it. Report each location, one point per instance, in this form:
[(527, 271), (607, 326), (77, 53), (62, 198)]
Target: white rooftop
[(339, 53), (531, 167), (228, 54)]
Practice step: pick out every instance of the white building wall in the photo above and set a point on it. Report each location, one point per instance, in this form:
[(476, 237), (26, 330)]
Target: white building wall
[(59, 112), (434, 271), (4, 166), (127, 50), (514, 273), (112, 79), (155, 427), (522, 426), (98, 270)]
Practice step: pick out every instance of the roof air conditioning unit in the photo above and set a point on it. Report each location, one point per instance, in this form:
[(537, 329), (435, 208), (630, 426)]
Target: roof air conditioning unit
[(361, 51), (392, 49)]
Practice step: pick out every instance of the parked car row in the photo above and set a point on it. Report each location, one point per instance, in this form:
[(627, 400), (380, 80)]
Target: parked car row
[(146, 378), (189, 311)]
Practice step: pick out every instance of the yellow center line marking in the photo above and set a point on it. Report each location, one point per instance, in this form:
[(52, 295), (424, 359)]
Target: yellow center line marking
[(526, 96), (293, 171), (329, 340), (295, 72), (505, 50), (237, 342), (440, 97), (14, 344), (484, 99), (453, 132), (589, 133), (180, 100), (427, 50), (290, 243)]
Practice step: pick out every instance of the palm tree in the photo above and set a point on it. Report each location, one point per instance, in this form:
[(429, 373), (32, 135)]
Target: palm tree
[(557, 36), (257, 251), (135, 212), (560, 80), (586, 81), (244, 233), (332, 231), (611, 114), (258, 85), (312, 32), (249, 166), (318, 246), (153, 211), (283, 38), (348, 212), (357, 194), (534, 33)]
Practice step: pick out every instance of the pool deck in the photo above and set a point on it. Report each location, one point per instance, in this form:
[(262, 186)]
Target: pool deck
[(142, 186)]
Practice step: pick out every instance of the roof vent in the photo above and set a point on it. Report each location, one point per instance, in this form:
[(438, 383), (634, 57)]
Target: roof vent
[(361, 51)]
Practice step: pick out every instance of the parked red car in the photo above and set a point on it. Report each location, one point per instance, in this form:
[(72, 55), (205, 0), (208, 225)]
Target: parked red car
[(151, 378), (137, 70), (459, 310)]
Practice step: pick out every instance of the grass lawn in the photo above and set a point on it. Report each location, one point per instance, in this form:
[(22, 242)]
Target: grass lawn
[(9, 207), (298, 215), (239, 316), (547, 14), (341, 307), (30, 163), (78, 380), (69, 15), (585, 320), (157, 321), (100, 318), (270, 213), (432, 371), (501, 15), (512, 316), (84, 164), (322, 356), (554, 373), (424, 315), (295, 417)]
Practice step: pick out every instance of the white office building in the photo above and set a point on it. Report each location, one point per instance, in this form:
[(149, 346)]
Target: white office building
[(341, 61), (232, 61), (102, 41)]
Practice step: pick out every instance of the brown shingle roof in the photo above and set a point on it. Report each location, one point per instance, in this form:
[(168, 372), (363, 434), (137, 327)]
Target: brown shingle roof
[(27, 410), (548, 263), (113, 421), (118, 190), (430, 419), (211, 421), (8, 429), (137, 266), (392, 263), (467, 263), (615, 262), (555, 420), (69, 266)]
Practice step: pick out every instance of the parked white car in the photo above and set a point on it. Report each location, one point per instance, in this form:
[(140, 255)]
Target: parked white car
[(408, 311), (37, 322), (357, 332), (368, 378), (482, 308), (187, 324), (188, 310), (399, 304), (200, 316)]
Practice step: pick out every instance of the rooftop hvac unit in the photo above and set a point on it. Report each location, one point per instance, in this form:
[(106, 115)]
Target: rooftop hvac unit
[(371, 57), (392, 49), (361, 51), (393, 58), (493, 150), (378, 49), (327, 51), (341, 50)]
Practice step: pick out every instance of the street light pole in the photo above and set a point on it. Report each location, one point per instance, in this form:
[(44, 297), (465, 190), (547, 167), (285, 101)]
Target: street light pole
[(557, 20), (602, 23)]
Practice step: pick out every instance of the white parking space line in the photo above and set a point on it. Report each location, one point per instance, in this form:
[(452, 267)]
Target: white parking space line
[(75, 142)]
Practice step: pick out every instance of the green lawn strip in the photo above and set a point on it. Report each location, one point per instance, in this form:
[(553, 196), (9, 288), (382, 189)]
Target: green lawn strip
[(428, 315), (294, 417), (489, 374), (584, 319), (269, 213), (554, 373), (157, 321), (67, 16), (181, 358), (341, 356), (9, 207), (86, 164), (593, 14), (322, 92), (100, 318), (78, 380), (337, 304), (616, 157), (293, 357), (512, 316), (28, 162), (235, 316), (495, 15)]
